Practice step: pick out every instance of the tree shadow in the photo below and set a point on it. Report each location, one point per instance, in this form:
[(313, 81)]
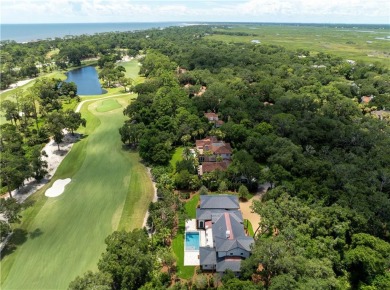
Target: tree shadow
[(129, 148), (36, 233), (61, 152), (81, 137), (29, 202), (18, 238)]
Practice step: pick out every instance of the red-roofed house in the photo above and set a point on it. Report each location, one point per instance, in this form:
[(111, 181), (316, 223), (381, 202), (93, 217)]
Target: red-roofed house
[(213, 118), (213, 154), (210, 148), (207, 167), (367, 99)]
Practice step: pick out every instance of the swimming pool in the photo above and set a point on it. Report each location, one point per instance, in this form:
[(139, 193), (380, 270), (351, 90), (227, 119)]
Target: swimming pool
[(192, 241)]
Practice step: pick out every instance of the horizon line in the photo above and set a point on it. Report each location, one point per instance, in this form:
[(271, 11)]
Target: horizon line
[(204, 22)]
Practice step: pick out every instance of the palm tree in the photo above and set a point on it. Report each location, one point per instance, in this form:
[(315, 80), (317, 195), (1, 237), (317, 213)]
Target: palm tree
[(186, 153)]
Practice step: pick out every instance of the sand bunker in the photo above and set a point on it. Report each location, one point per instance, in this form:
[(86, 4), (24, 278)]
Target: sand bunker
[(57, 188)]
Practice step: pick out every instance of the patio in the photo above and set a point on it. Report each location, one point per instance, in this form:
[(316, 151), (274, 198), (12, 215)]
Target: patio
[(191, 257)]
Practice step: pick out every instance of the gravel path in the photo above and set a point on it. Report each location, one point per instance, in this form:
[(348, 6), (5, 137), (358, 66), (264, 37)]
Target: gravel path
[(245, 207), (54, 158), (16, 85), (247, 212)]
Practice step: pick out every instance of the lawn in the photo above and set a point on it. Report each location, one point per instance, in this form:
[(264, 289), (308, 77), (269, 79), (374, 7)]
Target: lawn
[(184, 272), (108, 105), (63, 237), (248, 226), (132, 69), (177, 156), (191, 206)]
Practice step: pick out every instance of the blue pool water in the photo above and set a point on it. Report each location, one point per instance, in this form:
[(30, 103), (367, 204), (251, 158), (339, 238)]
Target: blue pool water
[(192, 241)]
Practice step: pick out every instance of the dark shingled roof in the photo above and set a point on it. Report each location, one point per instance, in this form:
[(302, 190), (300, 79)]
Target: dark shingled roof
[(237, 238), (222, 211), (233, 264), (210, 214), (245, 242), (222, 201), (208, 256)]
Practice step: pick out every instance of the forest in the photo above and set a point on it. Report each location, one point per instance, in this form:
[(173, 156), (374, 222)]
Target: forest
[(295, 120)]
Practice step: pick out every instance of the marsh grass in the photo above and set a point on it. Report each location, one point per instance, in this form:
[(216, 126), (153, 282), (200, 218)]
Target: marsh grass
[(350, 43)]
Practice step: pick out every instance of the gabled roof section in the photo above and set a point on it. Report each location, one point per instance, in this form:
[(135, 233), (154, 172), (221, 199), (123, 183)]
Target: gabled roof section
[(224, 245), (212, 166), (211, 116), (211, 143), (222, 201), (233, 264), (206, 141), (221, 148), (245, 243), (226, 230), (214, 214), (207, 255)]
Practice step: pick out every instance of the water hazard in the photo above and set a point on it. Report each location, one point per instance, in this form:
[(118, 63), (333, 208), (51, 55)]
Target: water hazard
[(87, 81)]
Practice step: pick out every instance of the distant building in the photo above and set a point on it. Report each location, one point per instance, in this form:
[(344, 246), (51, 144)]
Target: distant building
[(180, 70), (366, 99), (213, 118), (382, 114), (202, 90)]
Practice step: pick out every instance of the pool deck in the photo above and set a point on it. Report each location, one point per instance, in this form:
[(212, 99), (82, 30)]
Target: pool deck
[(191, 257)]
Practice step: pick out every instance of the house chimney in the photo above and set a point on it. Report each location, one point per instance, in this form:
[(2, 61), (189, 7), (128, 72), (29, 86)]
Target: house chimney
[(227, 234)]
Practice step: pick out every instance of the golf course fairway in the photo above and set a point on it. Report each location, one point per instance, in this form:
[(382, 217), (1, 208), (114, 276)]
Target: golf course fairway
[(109, 189)]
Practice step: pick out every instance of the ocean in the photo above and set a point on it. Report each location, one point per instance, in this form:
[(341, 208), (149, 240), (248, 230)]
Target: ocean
[(33, 32)]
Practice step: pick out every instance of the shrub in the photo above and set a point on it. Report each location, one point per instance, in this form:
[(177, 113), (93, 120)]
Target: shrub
[(203, 190)]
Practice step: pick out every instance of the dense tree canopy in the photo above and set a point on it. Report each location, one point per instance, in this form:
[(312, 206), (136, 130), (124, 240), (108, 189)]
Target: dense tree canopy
[(295, 122), (295, 119)]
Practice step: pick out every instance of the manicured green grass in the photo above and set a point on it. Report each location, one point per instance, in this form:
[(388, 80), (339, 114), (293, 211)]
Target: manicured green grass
[(248, 226), (71, 105), (349, 43), (191, 206), (64, 236), (132, 69), (177, 156), (136, 205), (184, 272), (108, 105), (52, 52)]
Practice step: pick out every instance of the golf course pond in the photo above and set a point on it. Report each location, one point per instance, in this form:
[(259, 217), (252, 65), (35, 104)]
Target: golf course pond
[(87, 81)]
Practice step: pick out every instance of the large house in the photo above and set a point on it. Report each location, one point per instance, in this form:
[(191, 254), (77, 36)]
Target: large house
[(210, 148), (213, 154), (226, 243)]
